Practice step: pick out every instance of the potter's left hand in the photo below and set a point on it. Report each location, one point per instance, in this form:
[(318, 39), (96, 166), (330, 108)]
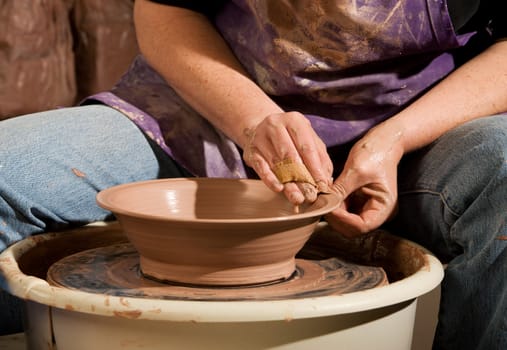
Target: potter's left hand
[(367, 184)]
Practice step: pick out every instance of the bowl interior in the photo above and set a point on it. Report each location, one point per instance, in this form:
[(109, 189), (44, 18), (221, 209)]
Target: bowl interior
[(207, 200)]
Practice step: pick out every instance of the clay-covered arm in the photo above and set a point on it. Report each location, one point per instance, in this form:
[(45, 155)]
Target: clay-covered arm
[(476, 89), (184, 47), (368, 181)]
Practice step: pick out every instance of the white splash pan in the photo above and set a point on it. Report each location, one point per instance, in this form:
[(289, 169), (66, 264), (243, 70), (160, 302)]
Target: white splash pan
[(63, 319)]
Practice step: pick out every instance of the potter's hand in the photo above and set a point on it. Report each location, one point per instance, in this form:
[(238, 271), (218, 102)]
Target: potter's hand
[(367, 184), (368, 181), (288, 137)]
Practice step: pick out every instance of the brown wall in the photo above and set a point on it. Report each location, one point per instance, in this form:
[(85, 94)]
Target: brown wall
[(54, 52)]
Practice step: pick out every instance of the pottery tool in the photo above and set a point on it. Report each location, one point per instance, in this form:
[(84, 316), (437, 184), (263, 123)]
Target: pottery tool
[(289, 170)]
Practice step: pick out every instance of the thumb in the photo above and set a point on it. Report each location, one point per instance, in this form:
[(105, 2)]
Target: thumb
[(359, 211), (343, 186)]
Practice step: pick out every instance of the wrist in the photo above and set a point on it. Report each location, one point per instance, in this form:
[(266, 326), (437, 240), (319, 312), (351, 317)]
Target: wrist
[(245, 129), (389, 136)]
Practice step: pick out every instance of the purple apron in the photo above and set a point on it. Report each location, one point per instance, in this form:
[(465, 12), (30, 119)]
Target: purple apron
[(346, 64)]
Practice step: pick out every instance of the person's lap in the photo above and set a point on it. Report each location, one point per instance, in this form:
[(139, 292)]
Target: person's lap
[(452, 199), (52, 165)]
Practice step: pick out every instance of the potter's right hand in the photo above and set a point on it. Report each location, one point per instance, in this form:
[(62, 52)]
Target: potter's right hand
[(186, 49), (288, 136)]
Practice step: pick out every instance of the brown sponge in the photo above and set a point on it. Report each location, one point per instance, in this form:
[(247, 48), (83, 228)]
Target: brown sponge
[(290, 171)]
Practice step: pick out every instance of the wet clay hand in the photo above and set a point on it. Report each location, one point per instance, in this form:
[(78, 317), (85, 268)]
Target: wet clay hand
[(367, 184), (288, 156)]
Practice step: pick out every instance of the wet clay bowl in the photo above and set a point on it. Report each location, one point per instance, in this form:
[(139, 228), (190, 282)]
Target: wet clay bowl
[(209, 231)]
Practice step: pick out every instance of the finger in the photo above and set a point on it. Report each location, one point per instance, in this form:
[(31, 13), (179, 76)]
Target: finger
[(263, 169), (346, 223), (309, 191), (300, 192), (363, 211), (274, 142), (351, 224), (327, 166), (312, 151), (344, 227), (293, 193), (290, 173)]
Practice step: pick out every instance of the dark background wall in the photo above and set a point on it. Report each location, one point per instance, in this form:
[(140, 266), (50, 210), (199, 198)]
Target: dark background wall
[(55, 52)]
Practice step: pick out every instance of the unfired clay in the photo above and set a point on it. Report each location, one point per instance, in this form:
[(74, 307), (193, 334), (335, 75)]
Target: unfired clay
[(213, 231), (114, 270)]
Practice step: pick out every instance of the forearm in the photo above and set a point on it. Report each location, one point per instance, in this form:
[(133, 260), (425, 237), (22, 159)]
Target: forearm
[(201, 68), (477, 89)]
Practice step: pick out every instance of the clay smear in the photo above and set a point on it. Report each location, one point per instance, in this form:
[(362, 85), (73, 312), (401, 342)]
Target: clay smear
[(114, 270)]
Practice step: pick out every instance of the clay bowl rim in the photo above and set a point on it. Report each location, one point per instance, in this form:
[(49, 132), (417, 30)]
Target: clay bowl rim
[(103, 200)]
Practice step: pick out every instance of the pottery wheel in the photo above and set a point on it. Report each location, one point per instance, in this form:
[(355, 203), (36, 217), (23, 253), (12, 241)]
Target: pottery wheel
[(114, 270)]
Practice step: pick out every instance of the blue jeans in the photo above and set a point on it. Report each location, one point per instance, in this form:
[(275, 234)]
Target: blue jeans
[(452, 199), (52, 164)]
